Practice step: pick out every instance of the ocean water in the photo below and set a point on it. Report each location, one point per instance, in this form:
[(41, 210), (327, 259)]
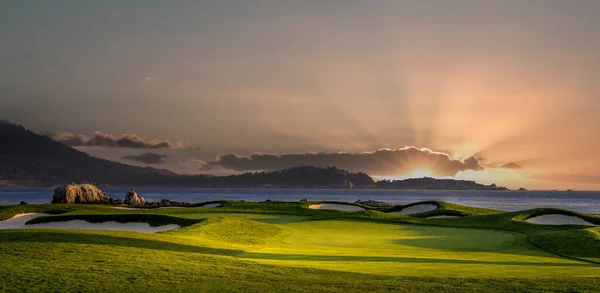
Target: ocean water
[(587, 202)]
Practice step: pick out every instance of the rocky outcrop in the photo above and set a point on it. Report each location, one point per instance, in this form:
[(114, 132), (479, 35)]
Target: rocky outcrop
[(116, 201), (374, 203), (169, 203), (131, 198), (80, 194)]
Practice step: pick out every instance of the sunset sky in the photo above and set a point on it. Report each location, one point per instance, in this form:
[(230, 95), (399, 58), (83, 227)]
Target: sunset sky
[(504, 92)]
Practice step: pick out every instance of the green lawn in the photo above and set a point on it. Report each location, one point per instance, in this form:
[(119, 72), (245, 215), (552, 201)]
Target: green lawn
[(284, 247), (411, 250)]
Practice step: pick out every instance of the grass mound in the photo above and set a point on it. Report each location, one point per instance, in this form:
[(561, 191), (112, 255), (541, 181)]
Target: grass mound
[(445, 208), (231, 230), (525, 215), (582, 243)]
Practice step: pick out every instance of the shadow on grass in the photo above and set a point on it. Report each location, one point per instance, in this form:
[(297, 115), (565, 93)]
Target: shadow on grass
[(154, 220), (346, 258), (16, 236), (583, 243), (264, 218), (469, 240)]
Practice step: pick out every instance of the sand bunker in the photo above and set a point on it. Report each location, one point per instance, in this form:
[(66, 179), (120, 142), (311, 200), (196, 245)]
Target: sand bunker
[(211, 205), (443, 217), (416, 209), (334, 206), (18, 222), (557, 219)]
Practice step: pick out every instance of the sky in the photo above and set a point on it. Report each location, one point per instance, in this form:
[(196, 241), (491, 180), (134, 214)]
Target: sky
[(504, 92)]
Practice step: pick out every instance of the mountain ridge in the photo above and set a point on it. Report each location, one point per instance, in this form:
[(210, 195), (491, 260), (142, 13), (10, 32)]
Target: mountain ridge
[(31, 159)]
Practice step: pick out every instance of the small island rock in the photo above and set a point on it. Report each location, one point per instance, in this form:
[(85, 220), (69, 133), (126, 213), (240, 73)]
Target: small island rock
[(131, 198), (80, 194)]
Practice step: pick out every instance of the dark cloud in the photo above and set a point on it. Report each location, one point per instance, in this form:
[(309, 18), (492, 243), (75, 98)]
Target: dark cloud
[(147, 158), (108, 140), (511, 165), (383, 162)]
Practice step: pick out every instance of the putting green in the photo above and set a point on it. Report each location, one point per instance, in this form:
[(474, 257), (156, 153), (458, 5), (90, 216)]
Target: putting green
[(412, 250), (386, 249)]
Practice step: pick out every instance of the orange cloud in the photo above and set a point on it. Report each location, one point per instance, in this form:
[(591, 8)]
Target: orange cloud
[(383, 162), (511, 165)]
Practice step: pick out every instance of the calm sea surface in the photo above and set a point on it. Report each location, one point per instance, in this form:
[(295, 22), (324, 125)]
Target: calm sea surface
[(588, 202)]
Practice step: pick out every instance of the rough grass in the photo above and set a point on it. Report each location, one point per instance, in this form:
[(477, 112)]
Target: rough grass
[(276, 247)]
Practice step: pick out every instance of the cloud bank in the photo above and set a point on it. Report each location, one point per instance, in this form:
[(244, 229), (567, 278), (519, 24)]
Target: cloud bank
[(383, 162), (147, 158), (512, 166), (100, 139)]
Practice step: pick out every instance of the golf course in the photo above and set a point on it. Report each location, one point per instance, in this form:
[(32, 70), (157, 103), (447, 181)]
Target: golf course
[(237, 246)]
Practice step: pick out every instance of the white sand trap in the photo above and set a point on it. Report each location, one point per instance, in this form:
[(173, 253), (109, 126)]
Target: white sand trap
[(443, 217), (130, 209), (416, 209), (18, 222), (557, 219), (210, 205), (335, 206)]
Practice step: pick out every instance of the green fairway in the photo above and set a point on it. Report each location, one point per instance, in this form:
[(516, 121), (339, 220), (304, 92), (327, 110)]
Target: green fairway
[(410, 250), (250, 247)]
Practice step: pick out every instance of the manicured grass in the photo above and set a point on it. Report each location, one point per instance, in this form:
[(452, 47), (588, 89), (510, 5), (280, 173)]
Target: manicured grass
[(411, 250), (225, 232), (106, 262), (582, 243), (276, 247)]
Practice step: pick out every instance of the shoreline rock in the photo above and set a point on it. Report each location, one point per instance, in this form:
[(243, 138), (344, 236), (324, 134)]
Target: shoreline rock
[(90, 194), (80, 194), (131, 198), (374, 203)]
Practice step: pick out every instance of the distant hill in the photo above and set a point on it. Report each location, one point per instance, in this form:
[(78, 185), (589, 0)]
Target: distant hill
[(436, 184), (296, 177), (27, 158), (30, 159)]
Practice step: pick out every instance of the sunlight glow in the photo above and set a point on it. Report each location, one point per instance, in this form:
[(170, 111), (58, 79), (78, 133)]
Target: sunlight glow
[(420, 173)]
